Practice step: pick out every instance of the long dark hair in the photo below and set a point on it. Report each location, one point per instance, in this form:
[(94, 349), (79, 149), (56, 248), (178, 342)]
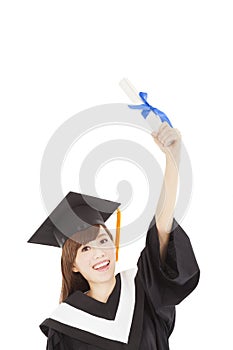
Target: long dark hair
[(72, 281)]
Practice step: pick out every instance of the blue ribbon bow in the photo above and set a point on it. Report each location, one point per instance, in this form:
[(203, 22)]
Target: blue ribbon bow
[(146, 108)]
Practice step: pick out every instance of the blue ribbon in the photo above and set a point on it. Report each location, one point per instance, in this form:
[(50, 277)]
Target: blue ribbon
[(146, 108)]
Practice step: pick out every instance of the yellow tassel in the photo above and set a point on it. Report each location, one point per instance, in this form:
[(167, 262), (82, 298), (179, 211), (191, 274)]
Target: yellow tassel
[(118, 227)]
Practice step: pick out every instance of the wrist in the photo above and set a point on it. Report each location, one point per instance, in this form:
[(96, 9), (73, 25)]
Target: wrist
[(173, 159)]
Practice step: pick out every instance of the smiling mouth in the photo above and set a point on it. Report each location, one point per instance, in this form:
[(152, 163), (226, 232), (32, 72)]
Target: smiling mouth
[(102, 266)]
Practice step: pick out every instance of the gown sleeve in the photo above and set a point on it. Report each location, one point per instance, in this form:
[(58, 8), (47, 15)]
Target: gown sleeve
[(55, 341), (170, 283)]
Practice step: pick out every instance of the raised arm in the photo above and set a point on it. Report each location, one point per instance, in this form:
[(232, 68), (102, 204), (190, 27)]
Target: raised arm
[(167, 266), (169, 141)]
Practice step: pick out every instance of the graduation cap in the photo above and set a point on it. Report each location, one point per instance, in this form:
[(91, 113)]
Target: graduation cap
[(76, 215)]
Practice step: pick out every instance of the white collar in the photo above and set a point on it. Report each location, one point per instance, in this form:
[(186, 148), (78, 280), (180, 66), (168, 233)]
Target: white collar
[(117, 329)]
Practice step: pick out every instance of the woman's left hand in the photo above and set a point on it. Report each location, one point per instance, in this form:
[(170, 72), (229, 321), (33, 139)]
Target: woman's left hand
[(169, 140)]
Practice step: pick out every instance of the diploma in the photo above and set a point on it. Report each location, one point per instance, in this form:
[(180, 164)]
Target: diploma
[(153, 116)]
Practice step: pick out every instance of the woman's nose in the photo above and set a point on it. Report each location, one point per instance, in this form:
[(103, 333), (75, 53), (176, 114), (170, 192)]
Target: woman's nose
[(98, 253)]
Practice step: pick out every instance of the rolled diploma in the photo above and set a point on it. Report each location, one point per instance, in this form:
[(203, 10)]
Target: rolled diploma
[(152, 119)]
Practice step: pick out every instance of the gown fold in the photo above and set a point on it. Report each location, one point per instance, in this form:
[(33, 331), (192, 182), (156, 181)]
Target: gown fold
[(170, 283)]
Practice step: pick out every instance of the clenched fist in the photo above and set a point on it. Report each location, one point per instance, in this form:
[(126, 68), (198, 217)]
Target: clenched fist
[(168, 139)]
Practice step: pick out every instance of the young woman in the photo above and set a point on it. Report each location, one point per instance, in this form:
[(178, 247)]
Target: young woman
[(134, 309)]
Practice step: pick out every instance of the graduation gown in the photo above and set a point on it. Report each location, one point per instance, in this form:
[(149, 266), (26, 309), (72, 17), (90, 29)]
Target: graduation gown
[(140, 312)]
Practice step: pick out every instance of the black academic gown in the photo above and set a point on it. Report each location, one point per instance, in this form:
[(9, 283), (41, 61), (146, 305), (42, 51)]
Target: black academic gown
[(140, 312)]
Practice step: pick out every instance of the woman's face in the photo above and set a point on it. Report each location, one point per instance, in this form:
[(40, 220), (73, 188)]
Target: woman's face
[(96, 259)]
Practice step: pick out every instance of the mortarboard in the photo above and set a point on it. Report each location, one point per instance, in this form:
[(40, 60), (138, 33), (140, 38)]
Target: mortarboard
[(74, 215)]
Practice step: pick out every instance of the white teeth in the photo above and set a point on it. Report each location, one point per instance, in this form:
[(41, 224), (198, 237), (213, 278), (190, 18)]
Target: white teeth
[(104, 263)]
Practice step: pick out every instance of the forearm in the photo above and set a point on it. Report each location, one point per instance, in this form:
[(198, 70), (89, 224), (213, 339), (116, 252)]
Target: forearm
[(166, 204), (167, 200)]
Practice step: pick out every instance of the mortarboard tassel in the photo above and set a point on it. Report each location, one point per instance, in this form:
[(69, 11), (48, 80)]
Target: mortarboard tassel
[(118, 226)]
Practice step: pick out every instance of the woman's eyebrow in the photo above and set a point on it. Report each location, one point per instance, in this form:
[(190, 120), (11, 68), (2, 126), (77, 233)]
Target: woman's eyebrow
[(102, 234)]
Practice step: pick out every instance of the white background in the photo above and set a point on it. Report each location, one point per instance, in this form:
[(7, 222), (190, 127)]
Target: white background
[(61, 57)]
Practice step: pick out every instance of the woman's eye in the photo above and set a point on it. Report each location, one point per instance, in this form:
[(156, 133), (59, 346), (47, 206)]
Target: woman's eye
[(104, 240), (85, 249)]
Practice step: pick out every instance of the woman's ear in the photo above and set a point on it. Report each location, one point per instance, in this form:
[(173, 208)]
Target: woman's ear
[(74, 268)]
